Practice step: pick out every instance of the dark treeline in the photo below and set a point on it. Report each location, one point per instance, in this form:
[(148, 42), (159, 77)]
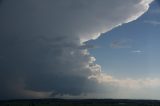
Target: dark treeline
[(79, 102)]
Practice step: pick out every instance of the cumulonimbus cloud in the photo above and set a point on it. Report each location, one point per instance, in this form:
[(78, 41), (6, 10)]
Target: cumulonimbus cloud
[(42, 44)]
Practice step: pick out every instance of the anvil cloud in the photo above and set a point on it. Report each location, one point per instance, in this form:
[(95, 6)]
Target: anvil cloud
[(42, 44)]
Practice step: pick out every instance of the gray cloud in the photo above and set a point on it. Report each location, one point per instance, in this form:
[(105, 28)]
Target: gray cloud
[(1, 1), (42, 44), (43, 66)]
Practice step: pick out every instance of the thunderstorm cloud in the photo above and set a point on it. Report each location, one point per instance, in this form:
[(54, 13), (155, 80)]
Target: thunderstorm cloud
[(43, 51)]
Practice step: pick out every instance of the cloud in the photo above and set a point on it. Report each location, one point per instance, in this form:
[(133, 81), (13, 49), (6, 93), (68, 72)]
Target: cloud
[(142, 88), (121, 43), (40, 44), (155, 23), (87, 46), (128, 82), (137, 51)]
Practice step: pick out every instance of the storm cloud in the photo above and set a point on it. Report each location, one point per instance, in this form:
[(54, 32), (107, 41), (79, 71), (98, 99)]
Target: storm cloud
[(42, 44)]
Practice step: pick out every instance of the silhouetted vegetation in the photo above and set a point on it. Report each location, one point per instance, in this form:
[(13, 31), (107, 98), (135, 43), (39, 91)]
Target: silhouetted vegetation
[(79, 102)]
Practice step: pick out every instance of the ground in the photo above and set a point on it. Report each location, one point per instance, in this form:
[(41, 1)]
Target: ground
[(79, 102)]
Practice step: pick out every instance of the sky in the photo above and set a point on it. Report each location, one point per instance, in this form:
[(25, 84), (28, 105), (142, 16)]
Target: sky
[(79, 49), (131, 50)]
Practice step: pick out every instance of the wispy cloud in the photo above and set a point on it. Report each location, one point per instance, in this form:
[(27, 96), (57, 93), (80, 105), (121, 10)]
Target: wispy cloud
[(136, 51), (122, 43), (152, 22)]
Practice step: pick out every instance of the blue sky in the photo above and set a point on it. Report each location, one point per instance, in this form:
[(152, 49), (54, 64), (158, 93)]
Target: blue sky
[(135, 53)]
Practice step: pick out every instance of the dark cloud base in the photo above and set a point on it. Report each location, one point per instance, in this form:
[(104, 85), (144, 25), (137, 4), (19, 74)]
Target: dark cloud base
[(36, 63)]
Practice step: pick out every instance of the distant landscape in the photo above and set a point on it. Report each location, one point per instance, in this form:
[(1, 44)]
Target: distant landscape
[(79, 102)]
